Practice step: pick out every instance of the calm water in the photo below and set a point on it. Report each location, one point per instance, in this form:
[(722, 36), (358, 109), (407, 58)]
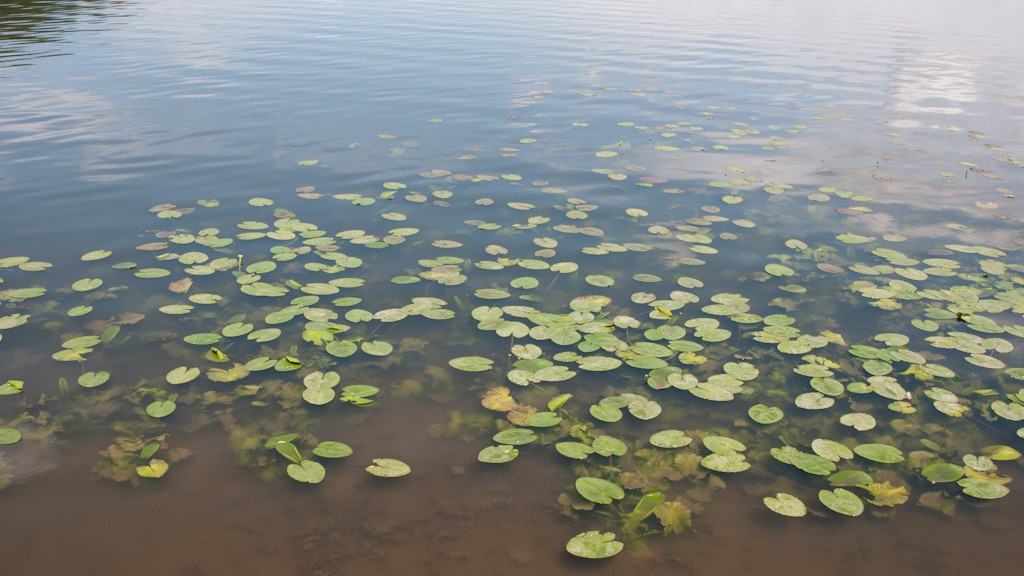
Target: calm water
[(815, 158)]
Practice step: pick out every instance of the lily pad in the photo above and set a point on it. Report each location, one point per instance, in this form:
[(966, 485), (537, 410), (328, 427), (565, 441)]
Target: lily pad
[(594, 545), (161, 408), (182, 374), (842, 501), (307, 471), (882, 453), (599, 490), (609, 446), (93, 379), (786, 505), (574, 450), (471, 363), (764, 414), (155, 469), (515, 436), (670, 439), (983, 489), (9, 436), (331, 449), (388, 468), (942, 472), (498, 454)]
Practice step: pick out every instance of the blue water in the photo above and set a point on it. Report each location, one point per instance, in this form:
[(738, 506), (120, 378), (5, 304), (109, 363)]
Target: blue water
[(108, 108)]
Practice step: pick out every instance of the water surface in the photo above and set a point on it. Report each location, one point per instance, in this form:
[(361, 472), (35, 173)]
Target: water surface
[(747, 134)]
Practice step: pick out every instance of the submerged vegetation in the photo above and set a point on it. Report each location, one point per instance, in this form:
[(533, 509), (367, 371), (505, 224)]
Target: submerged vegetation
[(660, 343)]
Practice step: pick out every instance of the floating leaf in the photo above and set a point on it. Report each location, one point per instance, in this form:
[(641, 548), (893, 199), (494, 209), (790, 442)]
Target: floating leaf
[(542, 419), (307, 471), (609, 446), (842, 501), (731, 462), (9, 436), (498, 454), (575, 450), (236, 372), (377, 348), (879, 453), (942, 472), (155, 469), (1000, 452), (471, 363), (599, 490), (12, 387), (670, 439), (983, 489), (764, 415), (161, 408), (786, 505), (331, 449), (388, 468), (594, 545), (515, 436), (93, 379)]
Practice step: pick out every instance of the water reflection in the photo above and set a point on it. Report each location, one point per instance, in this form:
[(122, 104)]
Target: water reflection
[(30, 30), (932, 83)]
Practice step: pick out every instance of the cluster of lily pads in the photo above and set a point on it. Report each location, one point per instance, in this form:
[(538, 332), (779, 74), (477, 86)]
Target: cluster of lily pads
[(602, 345)]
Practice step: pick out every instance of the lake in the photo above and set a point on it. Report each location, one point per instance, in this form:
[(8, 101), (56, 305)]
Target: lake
[(487, 287)]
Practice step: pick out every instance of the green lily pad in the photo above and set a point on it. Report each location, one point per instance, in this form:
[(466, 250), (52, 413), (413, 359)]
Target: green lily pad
[(1000, 452), (471, 363), (599, 363), (542, 419), (307, 471), (764, 414), (81, 342), (983, 489), (606, 413), (731, 462), (388, 468), (786, 505), (498, 454), (942, 472), (575, 450), (93, 379), (609, 446), (155, 469), (152, 272), (341, 348), (9, 436), (594, 545), (599, 490), (318, 396), (722, 444), (850, 478), (12, 387), (515, 436), (860, 421), (376, 348), (882, 453), (600, 280), (86, 284), (831, 450), (203, 339), (182, 374), (161, 408), (842, 501), (670, 439), (331, 449), (264, 335)]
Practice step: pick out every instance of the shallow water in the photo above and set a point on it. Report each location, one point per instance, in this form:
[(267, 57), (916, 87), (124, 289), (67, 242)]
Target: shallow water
[(900, 123)]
